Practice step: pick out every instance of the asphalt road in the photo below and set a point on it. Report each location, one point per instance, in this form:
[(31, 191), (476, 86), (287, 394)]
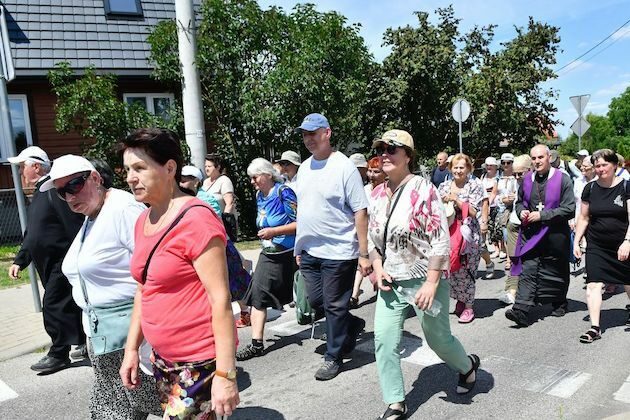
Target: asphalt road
[(539, 372)]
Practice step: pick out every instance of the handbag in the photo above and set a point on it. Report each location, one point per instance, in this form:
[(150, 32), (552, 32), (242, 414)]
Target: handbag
[(109, 324)]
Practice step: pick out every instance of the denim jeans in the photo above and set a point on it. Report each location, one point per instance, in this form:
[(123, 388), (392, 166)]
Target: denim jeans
[(329, 286)]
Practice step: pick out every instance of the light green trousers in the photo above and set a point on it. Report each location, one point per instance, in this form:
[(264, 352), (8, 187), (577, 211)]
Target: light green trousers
[(391, 311)]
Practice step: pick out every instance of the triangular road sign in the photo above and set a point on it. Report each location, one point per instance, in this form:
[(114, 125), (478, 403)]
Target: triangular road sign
[(579, 103)]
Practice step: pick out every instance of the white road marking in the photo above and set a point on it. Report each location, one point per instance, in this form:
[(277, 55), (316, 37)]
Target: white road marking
[(533, 377), (290, 328), (623, 393), (412, 350), (6, 393)]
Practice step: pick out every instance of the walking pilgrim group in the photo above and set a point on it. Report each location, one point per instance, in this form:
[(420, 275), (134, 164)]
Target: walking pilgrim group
[(160, 255)]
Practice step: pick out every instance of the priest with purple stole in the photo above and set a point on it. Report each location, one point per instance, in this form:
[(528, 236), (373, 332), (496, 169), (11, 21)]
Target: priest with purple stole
[(545, 204)]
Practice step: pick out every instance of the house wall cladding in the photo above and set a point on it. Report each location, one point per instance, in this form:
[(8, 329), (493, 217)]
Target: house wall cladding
[(44, 32)]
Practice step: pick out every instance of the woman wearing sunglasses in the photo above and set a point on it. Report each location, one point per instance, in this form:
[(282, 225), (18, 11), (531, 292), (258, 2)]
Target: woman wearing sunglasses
[(182, 304), (99, 257), (522, 164), (459, 190), (408, 242)]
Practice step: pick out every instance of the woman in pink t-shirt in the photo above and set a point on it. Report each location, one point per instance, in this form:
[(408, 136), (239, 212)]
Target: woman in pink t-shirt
[(182, 306)]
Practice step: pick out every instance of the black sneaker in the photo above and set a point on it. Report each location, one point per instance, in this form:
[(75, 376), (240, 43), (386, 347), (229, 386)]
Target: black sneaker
[(80, 352), (50, 364), (357, 325), (329, 370), (249, 351), (517, 316)]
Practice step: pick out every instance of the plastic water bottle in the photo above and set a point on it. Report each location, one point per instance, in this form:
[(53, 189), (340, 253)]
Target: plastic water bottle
[(409, 295)]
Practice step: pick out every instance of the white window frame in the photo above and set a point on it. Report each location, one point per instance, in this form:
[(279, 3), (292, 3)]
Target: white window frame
[(4, 150), (149, 98)]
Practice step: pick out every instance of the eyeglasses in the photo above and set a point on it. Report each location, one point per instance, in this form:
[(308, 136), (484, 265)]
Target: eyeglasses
[(506, 162), (74, 186), (389, 148)]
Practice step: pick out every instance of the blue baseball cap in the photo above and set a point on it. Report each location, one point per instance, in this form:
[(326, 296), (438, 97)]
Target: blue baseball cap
[(312, 122)]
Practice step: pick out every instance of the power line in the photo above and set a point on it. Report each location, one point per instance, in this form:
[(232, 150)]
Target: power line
[(591, 49), (591, 57)]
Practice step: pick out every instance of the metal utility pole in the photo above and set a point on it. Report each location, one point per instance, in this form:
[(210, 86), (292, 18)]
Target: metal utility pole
[(7, 73), (191, 86)]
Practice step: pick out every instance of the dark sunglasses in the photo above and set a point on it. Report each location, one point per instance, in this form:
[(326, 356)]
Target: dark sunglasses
[(74, 186), (518, 173), (506, 162), (389, 148)]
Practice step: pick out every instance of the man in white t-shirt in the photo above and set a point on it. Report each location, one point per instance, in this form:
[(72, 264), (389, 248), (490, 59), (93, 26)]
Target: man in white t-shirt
[(331, 235)]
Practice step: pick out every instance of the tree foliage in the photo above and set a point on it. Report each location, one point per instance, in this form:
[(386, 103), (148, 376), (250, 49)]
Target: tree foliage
[(432, 65), (90, 106), (262, 71)]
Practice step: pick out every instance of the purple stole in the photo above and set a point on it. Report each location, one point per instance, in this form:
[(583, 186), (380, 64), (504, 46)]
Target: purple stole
[(552, 201)]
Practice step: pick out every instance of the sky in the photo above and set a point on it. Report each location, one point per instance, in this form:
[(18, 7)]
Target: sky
[(604, 73)]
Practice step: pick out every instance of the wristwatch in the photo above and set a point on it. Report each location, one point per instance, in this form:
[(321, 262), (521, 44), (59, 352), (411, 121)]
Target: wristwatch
[(230, 374)]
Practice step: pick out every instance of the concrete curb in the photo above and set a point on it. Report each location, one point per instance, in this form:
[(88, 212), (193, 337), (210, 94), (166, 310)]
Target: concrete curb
[(25, 348)]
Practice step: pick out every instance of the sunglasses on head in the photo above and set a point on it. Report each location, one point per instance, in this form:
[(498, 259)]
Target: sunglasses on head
[(389, 148), (74, 186)]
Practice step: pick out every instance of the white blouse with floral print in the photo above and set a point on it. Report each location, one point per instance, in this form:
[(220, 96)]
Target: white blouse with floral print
[(417, 235)]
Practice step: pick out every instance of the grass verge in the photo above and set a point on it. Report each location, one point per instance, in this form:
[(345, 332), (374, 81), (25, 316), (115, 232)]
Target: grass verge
[(7, 254)]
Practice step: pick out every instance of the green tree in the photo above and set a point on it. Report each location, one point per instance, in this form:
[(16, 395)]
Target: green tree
[(619, 113), (262, 71), (600, 135), (432, 65), (90, 106)]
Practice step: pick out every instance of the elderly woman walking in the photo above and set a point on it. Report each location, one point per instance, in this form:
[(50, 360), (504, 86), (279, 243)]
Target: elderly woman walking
[(408, 241), (272, 283), (182, 305), (97, 267)]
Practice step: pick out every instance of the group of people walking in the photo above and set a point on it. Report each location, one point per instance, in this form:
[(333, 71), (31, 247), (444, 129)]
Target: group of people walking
[(157, 255)]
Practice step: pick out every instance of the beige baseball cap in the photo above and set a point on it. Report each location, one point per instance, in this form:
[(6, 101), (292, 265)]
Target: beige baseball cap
[(395, 138)]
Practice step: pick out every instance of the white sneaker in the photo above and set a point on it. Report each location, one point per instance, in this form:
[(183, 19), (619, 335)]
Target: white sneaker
[(507, 298)]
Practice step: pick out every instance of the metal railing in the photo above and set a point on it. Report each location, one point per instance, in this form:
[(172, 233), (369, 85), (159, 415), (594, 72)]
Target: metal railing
[(10, 230)]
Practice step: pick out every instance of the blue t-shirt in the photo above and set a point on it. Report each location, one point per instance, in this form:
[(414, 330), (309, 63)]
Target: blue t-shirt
[(277, 209)]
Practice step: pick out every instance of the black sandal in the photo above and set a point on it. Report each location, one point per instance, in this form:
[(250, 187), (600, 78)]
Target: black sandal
[(399, 414), (590, 336), (476, 362)]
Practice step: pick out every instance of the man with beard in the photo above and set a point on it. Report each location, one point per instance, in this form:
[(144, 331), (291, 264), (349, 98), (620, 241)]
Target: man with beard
[(545, 204)]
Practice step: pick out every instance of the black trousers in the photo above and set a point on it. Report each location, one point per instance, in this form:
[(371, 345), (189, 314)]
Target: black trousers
[(545, 279), (62, 316), (329, 285)]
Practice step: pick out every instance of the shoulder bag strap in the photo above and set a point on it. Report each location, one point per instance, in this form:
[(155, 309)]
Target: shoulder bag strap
[(175, 222), (400, 191), (83, 288)]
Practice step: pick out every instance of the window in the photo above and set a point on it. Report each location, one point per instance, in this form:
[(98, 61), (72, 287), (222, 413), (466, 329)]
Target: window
[(155, 103), (21, 134), (123, 8)]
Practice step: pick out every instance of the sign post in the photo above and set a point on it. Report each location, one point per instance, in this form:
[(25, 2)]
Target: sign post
[(580, 126), (461, 112), (7, 73)]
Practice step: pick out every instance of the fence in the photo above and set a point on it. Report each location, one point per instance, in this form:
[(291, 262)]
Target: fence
[(10, 230)]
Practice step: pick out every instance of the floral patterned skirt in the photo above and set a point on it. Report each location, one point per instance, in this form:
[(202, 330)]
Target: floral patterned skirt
[(184, 388)]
